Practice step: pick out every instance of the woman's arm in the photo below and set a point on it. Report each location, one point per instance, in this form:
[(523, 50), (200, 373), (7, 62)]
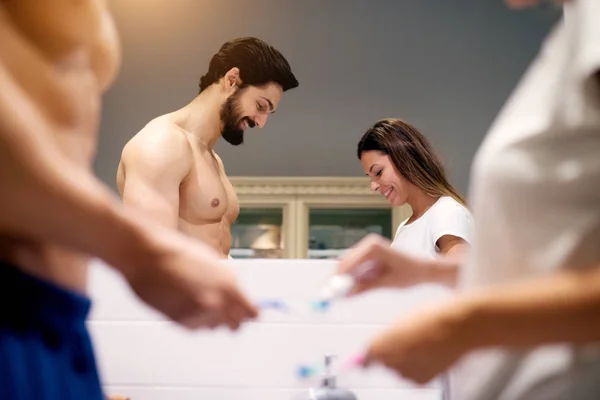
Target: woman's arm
[(444, 270), (564, 307), (561, 308)]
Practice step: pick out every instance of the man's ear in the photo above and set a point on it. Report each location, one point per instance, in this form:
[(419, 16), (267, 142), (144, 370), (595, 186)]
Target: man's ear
[(232, 79)]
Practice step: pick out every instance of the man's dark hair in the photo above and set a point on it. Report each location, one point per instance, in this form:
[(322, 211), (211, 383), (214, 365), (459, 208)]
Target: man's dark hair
[(259, 63)]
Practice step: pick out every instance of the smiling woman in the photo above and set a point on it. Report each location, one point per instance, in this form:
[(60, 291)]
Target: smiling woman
[(404, 167), (431, 245)]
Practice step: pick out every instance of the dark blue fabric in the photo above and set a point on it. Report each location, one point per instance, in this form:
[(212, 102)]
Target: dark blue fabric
[(45, 349)]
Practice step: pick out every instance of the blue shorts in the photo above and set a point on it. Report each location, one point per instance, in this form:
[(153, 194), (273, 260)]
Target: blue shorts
[(45, 350)]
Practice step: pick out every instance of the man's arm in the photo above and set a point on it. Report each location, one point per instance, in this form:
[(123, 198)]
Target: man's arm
[(154, 170), (44, 195), (563, 307)]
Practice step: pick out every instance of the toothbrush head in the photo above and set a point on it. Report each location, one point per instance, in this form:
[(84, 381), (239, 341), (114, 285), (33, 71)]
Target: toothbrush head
[(356, 360), (305, 371), (320, 305), (359, 359), (273, 304)]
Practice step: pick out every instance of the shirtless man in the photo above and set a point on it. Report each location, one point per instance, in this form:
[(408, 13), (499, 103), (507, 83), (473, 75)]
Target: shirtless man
[(56, 59), (169, 169)]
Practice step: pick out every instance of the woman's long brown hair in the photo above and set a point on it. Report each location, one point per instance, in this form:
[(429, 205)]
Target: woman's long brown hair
[(412, 155)]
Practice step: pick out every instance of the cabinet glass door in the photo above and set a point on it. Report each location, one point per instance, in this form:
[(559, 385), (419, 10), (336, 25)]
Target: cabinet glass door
[(258, 233), (332, 230)]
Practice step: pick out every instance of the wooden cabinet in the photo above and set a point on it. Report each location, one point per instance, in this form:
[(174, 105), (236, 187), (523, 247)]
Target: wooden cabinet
[(306, 217)]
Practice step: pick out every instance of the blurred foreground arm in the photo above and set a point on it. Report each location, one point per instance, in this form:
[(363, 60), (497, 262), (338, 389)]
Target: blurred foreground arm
[(560, 308), (563, 307)]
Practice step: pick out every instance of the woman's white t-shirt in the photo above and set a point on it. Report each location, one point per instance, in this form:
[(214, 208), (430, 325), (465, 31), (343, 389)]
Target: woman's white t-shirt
[(445, 217), (536, 205)]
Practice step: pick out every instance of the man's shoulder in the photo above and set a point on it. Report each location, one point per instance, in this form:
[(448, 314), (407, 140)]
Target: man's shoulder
[(159, 141), (159, 133)]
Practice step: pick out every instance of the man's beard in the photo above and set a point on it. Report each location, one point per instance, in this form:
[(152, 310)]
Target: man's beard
[(231, 116)]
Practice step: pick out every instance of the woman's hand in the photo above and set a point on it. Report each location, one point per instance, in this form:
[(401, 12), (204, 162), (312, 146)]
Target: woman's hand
[(424, 345), (375, 265)]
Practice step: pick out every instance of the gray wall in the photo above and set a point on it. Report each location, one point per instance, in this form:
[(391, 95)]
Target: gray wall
[(446, 66)]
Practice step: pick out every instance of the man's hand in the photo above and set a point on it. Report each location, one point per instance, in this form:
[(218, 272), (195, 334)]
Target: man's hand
[(190, 284)]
